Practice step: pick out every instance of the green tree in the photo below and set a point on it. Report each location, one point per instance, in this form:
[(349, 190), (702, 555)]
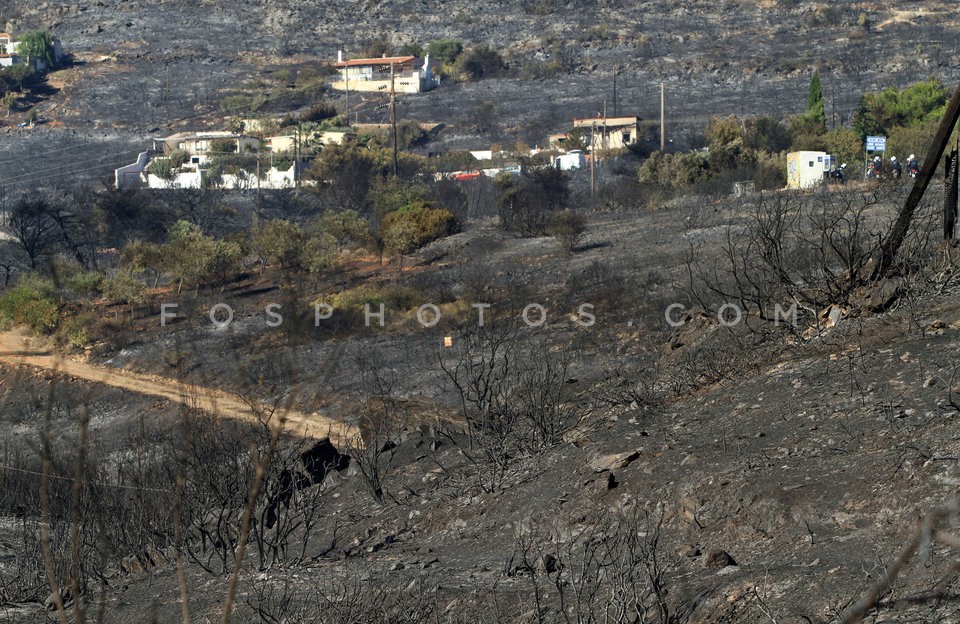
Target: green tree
[(485, 117), (123, 287), (223, 146), (377, 48), (815, 109), (391, 194), (319, 252), (411, 49), (410, 134), (33, 302), (38, 43), (199, 259), (140, 256), (723, 131), (445, 51), (878, 113), (15, 75), (845, 144), (346, 172), (346, 227), (279, 241), (414, 225), (161, 167), (807, 133)]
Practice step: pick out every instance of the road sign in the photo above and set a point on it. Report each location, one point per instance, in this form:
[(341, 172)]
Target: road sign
[(876, 144)]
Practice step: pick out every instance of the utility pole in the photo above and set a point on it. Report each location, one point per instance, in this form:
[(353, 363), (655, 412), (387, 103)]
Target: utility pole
[(663, 121), (593, 159), (393, 120), (606, 138), (616, 70), (258, 183), (346, 86), (296, 156)]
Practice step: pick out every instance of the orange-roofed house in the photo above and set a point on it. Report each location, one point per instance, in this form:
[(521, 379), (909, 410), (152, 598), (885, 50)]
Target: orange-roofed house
[(410, 74)]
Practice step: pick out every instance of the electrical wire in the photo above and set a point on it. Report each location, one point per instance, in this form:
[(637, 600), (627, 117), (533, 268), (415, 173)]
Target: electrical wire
[(4, 467)]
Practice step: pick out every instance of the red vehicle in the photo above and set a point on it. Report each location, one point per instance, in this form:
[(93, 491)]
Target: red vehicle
[(467, 175)]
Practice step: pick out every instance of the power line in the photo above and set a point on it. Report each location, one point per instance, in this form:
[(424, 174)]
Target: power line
[(72, 480)]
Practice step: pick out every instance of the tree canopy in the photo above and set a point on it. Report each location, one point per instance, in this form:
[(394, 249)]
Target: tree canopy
[(39, 43), (878, 113)]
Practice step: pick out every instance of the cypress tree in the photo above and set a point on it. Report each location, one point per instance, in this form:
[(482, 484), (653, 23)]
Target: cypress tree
[(815, 108)]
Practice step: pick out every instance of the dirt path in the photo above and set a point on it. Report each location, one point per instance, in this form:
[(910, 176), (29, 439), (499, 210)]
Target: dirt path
[(18, 349)]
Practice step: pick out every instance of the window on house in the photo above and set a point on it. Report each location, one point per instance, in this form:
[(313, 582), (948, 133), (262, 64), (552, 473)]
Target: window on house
[(626, 137)]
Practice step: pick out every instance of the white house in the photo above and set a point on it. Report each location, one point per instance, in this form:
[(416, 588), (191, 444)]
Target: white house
[(410, 74), (196, 171), (10, 53)]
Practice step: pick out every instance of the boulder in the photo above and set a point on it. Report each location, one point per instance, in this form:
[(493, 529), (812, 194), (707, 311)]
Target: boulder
[(614, 461)]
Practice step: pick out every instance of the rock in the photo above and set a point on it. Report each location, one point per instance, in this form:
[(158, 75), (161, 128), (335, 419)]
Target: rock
[(397, 566), (550, 564), (155, 557), (688, 550), (429, 562), (929, 382), (718, 559), (611, 462), (131, 565)]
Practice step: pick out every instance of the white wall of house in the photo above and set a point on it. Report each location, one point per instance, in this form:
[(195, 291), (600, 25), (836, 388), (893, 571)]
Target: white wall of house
[(131, 176), (272, 179)]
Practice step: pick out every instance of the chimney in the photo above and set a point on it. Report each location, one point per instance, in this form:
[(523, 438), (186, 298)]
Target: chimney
[(339, 56)]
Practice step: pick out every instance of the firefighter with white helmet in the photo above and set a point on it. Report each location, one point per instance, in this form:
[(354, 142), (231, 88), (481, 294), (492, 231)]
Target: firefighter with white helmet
[(895, 168)]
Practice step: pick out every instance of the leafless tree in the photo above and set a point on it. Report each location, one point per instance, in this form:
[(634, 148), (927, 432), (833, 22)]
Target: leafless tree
[(514, 398), (614, 570)]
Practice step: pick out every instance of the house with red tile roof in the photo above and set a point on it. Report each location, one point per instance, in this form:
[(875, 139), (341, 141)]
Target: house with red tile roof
[(408, 74)]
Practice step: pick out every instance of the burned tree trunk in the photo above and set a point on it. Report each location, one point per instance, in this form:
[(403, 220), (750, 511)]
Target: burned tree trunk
[(950, 196), (899, 230)]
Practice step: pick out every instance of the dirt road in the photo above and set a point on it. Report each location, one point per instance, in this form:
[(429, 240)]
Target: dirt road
[(19, 349)]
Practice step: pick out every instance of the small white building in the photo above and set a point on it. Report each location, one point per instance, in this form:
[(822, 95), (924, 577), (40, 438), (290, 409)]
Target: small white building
[(806, 169), (573, 159)]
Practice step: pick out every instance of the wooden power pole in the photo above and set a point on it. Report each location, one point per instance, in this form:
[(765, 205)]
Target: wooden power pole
[(393, 120), (663, 120)]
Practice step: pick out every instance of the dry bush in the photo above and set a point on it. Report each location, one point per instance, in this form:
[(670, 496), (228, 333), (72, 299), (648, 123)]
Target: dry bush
[(612, 568), (514, 398), (333, 596), (810, 251)]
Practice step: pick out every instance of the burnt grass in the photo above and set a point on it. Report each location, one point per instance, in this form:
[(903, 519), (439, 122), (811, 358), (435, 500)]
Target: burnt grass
[(808, 461)]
